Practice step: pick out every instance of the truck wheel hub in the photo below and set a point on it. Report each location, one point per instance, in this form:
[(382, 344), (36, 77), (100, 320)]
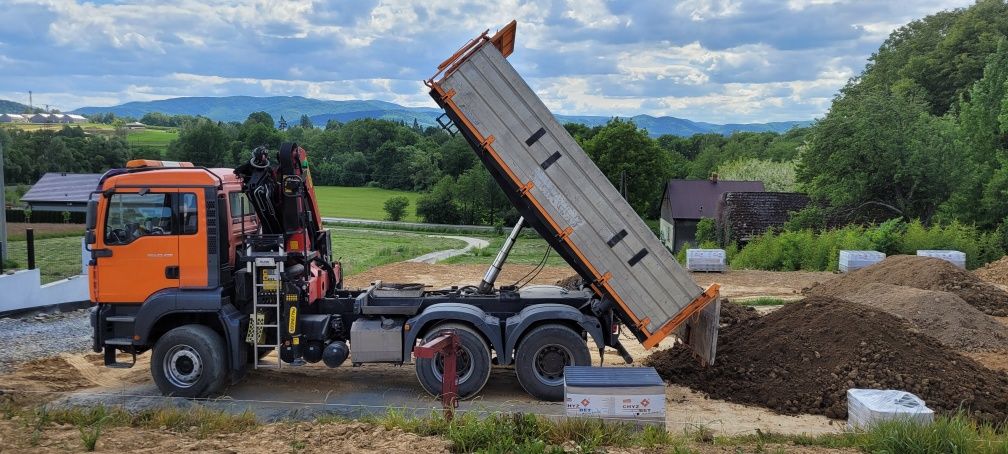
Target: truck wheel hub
[(550, 361), (463, 365), (183, 366)]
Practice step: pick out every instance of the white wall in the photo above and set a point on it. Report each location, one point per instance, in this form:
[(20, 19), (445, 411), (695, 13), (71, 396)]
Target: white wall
[(24, 290)]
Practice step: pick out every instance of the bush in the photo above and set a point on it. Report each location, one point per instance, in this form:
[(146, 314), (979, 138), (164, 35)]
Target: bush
[(808, 250), (395, 207), (706, 231), (811, 217)]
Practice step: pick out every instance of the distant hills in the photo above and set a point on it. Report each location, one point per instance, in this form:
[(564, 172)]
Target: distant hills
[(12, 107), (237, 108)]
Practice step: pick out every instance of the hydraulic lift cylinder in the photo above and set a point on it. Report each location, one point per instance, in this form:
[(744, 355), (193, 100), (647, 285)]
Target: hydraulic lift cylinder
[(490, 277)]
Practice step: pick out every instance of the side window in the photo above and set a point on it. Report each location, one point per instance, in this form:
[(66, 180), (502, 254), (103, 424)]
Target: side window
[(239, 205), (188, 213), (131, 216)]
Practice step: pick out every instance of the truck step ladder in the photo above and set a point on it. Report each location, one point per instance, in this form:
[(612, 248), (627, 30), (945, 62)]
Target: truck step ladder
[(267, 269)]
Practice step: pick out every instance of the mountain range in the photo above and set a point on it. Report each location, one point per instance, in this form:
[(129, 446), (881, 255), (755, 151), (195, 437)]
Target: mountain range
[(237, 108)]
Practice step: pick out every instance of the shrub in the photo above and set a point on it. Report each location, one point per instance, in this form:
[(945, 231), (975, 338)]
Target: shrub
[(395, 207), (776, 176), (706, 231), (811, 217), (808, 250)]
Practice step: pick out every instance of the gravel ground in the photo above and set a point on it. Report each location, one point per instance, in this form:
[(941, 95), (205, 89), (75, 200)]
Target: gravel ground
[(38, 336)]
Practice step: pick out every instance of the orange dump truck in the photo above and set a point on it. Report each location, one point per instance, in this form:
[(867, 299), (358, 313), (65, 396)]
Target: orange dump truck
[(220, 271)]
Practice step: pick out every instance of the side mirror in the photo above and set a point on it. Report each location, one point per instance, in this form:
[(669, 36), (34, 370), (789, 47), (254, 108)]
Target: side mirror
[(90, 237), (92, 214)]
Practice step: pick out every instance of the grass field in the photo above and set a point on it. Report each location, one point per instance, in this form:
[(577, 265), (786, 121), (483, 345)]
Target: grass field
[(360, 250), (361, 203), (527, 251), (156, 138), (56, 258)]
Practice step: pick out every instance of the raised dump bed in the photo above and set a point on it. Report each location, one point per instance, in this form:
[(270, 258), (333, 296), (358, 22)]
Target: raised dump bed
[(560, 191)]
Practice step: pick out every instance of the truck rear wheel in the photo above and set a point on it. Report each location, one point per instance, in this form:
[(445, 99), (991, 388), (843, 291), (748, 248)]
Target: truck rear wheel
[(189, 361), (472, 363), (541, 357)]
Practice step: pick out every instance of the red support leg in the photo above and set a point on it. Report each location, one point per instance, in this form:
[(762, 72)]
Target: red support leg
[(447, 345)]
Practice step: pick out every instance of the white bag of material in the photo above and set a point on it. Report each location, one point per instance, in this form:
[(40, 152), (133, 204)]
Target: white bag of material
[(956, 258), (855, 260), (710, 260), (868, 406)]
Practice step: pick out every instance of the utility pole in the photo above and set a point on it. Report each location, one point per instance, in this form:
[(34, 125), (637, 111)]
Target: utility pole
[(31, 106)]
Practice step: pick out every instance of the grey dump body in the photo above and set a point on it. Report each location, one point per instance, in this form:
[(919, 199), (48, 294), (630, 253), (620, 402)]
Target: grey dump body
[(562, 193)]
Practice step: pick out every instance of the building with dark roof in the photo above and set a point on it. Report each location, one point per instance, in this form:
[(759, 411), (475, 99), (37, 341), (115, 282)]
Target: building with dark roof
[(61, 192), (742, 216), (686, 202)]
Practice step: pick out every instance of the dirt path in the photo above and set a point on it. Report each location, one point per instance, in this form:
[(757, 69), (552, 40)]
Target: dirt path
[(438, 256)]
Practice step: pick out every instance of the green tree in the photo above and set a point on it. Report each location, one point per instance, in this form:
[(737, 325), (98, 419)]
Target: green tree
[(262, 118), (438, 206), (203, 143), (983, 134), (395, 207), (881, 150), (628, 156), (306, 122)]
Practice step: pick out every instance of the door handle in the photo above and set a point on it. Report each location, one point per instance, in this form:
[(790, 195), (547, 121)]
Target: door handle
[(171, 272)]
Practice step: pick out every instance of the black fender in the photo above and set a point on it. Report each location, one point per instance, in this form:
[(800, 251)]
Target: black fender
[(486, 324), (517, 324), (211, 301)]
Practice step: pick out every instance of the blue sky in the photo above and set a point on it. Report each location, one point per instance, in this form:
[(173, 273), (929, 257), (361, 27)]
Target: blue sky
[(708, 60)]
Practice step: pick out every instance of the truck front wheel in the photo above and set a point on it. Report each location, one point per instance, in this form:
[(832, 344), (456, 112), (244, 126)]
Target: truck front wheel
[(189, 361), (541, 357), (472, 363)]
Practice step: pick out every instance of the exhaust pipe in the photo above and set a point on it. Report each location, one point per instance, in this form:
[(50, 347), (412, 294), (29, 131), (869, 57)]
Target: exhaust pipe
[(486, 285)]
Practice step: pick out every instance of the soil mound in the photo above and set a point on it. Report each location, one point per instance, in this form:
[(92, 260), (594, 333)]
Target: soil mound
[(570, 282), (996, 271), (803, 357), (734, 314), (941, 315), (925, 273)]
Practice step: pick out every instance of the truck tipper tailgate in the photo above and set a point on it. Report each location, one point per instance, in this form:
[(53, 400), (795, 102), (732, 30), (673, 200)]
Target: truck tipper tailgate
[(563, 194)]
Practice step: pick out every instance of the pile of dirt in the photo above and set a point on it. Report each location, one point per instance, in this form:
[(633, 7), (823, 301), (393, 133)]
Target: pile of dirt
[(941, 315), (734, 314), (996, 271), (925, 273), (570, 282), (803, 357)]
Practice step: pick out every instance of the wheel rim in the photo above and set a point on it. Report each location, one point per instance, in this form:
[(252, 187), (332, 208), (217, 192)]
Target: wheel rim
[(463, 365), (183, 366), (549, 361)]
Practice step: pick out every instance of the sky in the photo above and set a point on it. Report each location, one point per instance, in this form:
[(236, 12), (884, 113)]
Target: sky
[(721, 61)]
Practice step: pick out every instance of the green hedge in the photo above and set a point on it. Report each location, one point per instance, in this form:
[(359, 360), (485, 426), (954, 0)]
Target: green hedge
[(819, 251)]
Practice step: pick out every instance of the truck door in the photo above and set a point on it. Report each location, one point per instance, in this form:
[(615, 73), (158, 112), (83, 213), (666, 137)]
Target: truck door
[(192, 239), (137, 247)]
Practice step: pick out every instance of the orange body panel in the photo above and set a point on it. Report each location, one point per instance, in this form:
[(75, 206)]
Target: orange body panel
[(134, 271)]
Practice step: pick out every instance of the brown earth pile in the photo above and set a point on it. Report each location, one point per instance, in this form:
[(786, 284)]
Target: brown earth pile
[(570, 282), (941, 315), (733, 314), (925, 273), (996, 271), (803, 357)]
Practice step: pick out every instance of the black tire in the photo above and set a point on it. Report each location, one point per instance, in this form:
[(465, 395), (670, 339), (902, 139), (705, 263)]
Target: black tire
[(189, 361), (541, 356), (473, 363)]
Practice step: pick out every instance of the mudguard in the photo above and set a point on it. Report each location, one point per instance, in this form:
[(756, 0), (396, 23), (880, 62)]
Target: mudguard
[(530, 316), (486, 324)]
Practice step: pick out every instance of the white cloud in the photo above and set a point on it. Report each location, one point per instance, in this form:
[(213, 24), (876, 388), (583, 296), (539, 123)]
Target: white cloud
[(701, 10)]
